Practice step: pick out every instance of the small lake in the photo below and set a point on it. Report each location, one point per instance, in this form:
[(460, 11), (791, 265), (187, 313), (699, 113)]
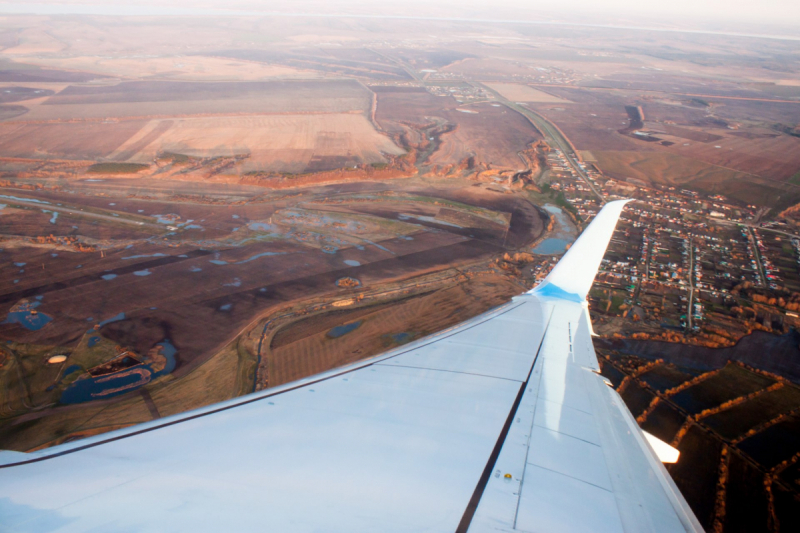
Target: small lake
[(551, 246), (564, 233), (401, 338), (262, 226), (115, 318), (25, 315), (432, 220), (142, 256), (344, 329), (88, 388)]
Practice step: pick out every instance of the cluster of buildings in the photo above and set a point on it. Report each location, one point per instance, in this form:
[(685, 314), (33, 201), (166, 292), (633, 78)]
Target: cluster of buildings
[(779, 256), (552, 75), (526, 74), (462, 93), (680, 260)]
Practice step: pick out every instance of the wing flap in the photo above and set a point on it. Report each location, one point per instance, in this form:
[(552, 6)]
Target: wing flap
[(550, 504), (586, 468)]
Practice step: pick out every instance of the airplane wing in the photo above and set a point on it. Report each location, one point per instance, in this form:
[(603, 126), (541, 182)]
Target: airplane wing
[(499, 424)]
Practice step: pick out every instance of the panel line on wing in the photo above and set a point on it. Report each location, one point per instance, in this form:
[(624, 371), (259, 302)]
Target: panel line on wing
[(571, 477), (565, 434), (553, 339), (569, 407), (495, 348), (393, 365), (472, 506), (530, 433)]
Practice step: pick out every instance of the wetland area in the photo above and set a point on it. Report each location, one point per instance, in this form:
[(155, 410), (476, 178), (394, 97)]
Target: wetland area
[(140, 311)]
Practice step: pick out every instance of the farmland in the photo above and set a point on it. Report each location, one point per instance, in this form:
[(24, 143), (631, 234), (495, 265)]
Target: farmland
[(281, 143), (733, 417), (277, 126), (675, 170), (525, 93), (177, 68), (736, 139)]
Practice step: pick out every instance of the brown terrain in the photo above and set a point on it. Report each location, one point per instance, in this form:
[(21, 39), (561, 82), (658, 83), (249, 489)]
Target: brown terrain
[(257, 256), (408, 113), (193, 210)]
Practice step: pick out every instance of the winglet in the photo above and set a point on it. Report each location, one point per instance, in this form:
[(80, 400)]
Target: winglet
[(572, 277)]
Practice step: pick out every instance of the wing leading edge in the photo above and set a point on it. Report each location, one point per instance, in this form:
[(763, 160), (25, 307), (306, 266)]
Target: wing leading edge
[(498, 424)]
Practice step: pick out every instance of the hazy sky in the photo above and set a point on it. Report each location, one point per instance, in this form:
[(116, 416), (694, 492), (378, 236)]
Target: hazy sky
[(663, 12)]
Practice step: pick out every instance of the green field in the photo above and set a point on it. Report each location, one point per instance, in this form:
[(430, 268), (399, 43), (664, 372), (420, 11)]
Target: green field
[(116, 168)]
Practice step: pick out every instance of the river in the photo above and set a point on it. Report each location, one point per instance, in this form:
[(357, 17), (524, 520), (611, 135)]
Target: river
[(564, 233)]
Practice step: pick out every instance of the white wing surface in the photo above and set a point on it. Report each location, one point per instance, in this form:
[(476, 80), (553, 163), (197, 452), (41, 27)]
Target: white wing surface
[(499, 424)]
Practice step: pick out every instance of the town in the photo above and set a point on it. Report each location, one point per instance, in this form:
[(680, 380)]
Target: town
[(682, 266)]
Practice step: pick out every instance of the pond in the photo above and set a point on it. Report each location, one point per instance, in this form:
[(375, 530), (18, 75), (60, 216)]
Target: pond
[(551, 246), (401, 338), (432, 220), (115, 318), (54, 217), (262, 226), (142, 256), (88, 388), (25, 315), (344, 329)]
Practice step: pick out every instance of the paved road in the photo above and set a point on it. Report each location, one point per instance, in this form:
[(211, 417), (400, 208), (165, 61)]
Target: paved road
[(753, 241), (552, 135), (691, 286), (755, 226), (645, 272)]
